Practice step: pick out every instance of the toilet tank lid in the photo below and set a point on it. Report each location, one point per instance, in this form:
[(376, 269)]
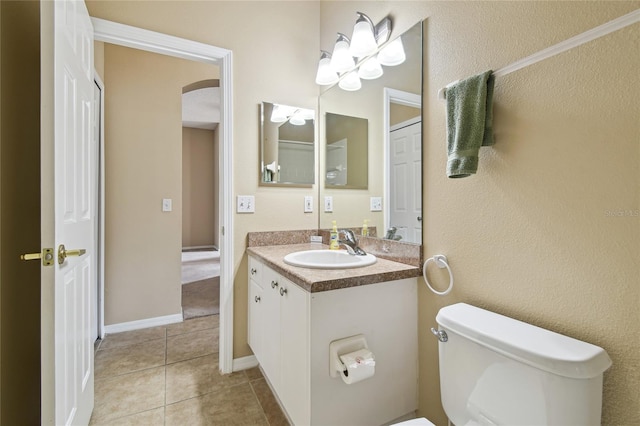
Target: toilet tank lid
[(538, 347)]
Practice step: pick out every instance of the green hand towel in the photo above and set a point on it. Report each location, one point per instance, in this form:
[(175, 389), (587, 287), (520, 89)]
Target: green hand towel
[(469, 122)]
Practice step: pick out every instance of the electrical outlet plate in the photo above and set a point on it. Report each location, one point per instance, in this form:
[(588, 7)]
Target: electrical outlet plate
[(246, 204), (328, 204), (167, 205), (308, 204), (376, 204)]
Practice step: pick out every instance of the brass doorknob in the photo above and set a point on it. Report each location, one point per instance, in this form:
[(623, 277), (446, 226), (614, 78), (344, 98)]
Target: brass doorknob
[(63, 253)]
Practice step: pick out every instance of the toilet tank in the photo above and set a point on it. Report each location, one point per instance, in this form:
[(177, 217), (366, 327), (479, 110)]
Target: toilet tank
[(495, 370)]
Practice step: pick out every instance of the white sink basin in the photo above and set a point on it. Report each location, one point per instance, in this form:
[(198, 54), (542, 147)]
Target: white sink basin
[(328, 259)]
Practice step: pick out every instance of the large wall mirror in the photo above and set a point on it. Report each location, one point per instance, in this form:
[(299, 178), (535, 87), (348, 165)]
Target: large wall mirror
[(391, 109), (287, 145)]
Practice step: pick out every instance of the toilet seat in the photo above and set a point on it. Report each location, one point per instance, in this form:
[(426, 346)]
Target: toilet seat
[(415, 422)]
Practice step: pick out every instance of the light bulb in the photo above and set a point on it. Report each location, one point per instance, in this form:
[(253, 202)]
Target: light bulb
[(325, 75), (392, 54), (341, 59), (363, 41), (278, 114), (370, 69), (350, 82), (297, 119)]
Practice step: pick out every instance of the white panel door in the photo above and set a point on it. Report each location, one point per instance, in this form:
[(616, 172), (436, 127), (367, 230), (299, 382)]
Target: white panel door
[(75, 212), (406, 181)]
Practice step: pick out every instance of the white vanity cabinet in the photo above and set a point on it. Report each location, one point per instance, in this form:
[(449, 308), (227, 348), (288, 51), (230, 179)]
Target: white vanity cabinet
[(290, 330), (278, 336)]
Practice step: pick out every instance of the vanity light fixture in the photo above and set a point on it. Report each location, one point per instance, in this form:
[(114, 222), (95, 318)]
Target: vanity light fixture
[(341, 59), (296, 116), (370, 69), (350, 82), (325, 75), (341, 65), (392, 54), (363, 41)]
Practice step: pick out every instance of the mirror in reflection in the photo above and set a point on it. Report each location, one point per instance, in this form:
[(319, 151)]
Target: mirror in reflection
[(287, 145), (346, 151), (392, 107)]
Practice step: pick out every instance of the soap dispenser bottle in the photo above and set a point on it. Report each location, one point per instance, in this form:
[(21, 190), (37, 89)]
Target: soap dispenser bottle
[(333, 237), (365, 228)]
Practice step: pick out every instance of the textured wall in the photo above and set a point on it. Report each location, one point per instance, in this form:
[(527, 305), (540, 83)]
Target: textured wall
[(534, 234)]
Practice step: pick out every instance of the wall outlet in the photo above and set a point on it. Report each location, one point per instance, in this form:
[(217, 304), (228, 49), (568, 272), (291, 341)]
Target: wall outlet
[(328, 204), (246, 204), (316, 239), (167, 205), (308, 204), (376, 204)]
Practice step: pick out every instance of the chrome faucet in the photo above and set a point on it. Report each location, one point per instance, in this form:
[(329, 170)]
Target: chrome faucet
[(350, 242)]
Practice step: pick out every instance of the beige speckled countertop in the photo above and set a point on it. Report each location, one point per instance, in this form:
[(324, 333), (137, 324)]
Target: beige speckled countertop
[(316, 280)]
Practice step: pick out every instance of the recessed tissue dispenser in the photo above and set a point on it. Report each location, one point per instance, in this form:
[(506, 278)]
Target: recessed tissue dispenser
[(351, 359)]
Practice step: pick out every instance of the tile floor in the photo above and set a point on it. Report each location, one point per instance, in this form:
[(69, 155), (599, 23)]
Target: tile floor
[(169, 376)]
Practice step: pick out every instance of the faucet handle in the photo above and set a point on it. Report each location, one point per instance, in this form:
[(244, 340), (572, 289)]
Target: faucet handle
[(349, 235)]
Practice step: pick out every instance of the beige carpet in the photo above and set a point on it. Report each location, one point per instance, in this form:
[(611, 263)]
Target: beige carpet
[(198, 265), (201, 298)]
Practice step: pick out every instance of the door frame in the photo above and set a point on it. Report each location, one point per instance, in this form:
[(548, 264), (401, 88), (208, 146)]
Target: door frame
[(101, 210), (393, 96), (164, 44)]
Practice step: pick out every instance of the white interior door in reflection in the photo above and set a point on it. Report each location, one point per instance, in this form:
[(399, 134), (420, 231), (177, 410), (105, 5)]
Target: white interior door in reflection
[(406, 176), (337, 163)]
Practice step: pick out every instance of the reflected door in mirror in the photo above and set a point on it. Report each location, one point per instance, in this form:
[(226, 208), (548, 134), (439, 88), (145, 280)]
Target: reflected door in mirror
[(405, 180)]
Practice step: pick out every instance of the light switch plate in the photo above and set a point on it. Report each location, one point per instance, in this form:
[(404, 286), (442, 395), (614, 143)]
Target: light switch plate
[(167, 205), (328, 204), (308, 204), (246, 204), (376, 204)]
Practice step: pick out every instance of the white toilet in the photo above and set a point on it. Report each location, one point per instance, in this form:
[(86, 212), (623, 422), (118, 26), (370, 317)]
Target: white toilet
[(495, 370)]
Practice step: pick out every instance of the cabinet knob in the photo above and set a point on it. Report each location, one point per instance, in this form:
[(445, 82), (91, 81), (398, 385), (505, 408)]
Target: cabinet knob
[(274, 284), (257, 299), (283, 291), (253, 271)]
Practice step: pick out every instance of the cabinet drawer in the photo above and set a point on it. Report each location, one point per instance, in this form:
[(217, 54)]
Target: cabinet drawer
[(255, 270)]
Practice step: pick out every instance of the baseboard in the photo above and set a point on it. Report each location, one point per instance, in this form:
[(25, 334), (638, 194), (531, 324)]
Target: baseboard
[(144, 323), (200, 248), (244, 363)]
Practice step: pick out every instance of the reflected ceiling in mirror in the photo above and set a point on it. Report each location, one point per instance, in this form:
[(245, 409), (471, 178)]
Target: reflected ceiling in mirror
[(287, 145)]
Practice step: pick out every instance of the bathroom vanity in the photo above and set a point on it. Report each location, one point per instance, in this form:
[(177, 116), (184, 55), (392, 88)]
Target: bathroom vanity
[(295, 313)]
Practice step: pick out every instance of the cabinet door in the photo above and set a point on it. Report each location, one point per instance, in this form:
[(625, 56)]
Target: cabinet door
[(256, 319), (271, 327), (295, 362)]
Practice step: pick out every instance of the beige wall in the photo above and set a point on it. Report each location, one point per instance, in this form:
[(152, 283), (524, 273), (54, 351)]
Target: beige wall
[(540, 245), (274, 59), (20, 212), (199, 187), (400, 113)]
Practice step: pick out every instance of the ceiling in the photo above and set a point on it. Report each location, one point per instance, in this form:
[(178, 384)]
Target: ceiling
[(201, 108)]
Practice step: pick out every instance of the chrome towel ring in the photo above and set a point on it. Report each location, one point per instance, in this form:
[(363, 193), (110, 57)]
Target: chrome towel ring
[(441, 262)]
